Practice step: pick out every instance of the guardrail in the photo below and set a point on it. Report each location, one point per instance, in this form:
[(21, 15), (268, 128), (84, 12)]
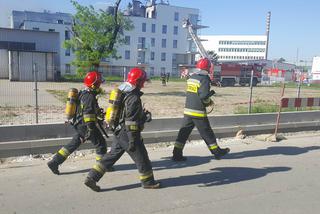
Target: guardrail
[(44, 138)]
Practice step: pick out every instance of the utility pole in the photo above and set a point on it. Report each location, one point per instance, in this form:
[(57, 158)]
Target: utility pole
[(268, 33)]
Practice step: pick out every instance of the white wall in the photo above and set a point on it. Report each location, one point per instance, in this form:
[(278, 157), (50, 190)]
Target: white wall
[(212, 44)]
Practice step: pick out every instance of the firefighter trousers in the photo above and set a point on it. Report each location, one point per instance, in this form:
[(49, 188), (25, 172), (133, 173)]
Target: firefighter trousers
[(81, 129), (120, 145), (204, 128)]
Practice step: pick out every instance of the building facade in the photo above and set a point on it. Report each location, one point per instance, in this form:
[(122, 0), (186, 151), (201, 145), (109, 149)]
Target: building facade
[(21, 50), (236, 47), (49, 22), (158, 41)]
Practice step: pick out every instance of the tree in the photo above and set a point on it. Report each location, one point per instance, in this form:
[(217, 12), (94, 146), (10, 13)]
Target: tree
[(213, 57), (281, 60), (95, 33)]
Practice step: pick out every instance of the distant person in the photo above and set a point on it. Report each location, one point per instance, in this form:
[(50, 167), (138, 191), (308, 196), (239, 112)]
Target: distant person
[(84, 122), (127, 135), (163, 78), (195, 114), (168, 76)]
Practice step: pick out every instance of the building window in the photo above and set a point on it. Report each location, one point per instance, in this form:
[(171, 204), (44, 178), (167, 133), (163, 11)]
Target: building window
[(163, 56), (36, 29), (127, 54), (175, 30), (176, 16), (163, 43), (144, 27), (52, 30), (153, 28), (127, 40), (68, 69), (66, 35), (164, 29), (152, 55), (175, 43), (67, 53), (153, 42), (141, 42), (151, 71)]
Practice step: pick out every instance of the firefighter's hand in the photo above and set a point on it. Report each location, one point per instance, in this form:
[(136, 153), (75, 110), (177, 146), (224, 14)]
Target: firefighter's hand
[(131, 146), (100, 114), (91, 131), (211, 93), (147, 116)]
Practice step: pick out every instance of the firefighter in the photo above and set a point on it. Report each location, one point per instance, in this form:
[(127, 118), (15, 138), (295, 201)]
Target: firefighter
[(84, 122), (195, 114), (127, 135)]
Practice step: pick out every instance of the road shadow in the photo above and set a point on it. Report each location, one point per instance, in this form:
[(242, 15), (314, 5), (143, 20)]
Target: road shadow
[(275, 150), (214, 177), (164, 163)]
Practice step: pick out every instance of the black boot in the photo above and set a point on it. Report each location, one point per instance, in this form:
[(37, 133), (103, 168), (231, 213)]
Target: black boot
[(177, 155), (151, 185), (92, 184), (55, 162), (218, 153), (53, 166)]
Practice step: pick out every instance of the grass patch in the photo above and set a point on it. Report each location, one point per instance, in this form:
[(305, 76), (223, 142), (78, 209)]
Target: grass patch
[(171, 79), (61, 95), (295, 85), (269, 108)]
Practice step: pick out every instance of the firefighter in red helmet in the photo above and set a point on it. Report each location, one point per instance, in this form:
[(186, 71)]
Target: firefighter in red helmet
[(84, 122), (195, 114), (127, 135)]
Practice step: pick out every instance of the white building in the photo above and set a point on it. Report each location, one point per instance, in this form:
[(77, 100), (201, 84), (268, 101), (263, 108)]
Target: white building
[(236, 47), (52, 22), (315, 72), (158, 41)]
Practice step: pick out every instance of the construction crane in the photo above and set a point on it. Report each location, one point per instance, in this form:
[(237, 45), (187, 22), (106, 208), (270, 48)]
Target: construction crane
[(187, 24)]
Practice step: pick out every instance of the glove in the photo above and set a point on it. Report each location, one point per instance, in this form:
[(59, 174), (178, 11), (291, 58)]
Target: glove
[(131, 146), (147, 117), (91, 129), (100, 114)]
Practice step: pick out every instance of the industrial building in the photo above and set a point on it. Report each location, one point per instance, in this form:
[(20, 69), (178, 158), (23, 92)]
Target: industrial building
[(50, 22), (21, 50)]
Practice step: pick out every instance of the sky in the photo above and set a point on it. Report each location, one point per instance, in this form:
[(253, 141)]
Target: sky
[(295, 24)]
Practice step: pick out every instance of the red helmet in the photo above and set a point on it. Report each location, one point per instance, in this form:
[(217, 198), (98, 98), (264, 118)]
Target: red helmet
[(137, 77), (204, 64), (93, 79)]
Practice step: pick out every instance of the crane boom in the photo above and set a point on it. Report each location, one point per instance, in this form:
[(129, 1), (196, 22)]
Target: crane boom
[(195, 38)]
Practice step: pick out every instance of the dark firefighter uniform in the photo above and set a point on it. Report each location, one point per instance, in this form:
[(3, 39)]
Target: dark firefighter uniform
[(87, 115), (195, 114), (127, 138)]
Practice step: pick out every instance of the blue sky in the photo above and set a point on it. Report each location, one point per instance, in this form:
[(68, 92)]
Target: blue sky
[(295, 24)]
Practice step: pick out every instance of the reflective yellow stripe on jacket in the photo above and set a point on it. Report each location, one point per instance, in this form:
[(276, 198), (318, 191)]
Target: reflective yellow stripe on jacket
[(195, 113), (193, 85), (89, 118)]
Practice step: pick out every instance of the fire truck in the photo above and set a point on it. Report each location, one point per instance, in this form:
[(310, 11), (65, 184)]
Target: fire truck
[(225, 74), (230, 74)]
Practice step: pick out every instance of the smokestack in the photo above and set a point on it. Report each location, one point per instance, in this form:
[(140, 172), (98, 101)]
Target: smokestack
[(268, 33)]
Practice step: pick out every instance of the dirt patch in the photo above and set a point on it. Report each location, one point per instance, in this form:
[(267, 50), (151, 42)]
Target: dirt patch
[(162, 101)]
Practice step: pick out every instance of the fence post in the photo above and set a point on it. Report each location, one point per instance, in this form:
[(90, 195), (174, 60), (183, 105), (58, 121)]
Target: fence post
[(250, 97), (35, 73), (278, 116)]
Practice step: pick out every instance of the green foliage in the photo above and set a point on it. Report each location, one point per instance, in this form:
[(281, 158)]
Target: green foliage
[(94, 35)]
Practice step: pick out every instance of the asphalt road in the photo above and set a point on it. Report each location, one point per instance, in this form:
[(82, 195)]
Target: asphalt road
[(257, 177)]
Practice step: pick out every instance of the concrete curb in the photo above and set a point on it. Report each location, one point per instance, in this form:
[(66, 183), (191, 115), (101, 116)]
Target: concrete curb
[(40, 146)]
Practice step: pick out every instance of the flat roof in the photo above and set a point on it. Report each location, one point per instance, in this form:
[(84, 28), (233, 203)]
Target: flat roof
[(16, 29)]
